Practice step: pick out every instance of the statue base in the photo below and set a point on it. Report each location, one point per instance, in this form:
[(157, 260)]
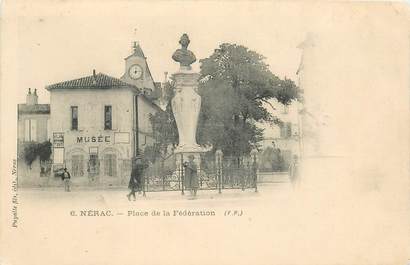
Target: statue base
[(191, 149)]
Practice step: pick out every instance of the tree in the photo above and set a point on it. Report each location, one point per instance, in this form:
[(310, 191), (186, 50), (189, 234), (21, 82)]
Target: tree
[(236, 82), (32, 150), (44, 150), (164, 129)]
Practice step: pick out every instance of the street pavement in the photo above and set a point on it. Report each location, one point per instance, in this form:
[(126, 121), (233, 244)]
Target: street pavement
[(115, 197)]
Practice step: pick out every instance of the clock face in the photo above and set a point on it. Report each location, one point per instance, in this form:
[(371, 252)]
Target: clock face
[(135, 71)]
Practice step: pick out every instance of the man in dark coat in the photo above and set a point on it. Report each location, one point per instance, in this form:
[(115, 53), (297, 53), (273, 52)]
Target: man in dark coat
[(66, 178), (191, 175), (137, 172)]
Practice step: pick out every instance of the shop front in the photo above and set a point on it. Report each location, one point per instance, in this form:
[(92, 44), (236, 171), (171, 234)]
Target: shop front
[(95, 159)]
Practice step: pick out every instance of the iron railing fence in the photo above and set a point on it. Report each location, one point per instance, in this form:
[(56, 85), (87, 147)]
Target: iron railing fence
[(213, 174)]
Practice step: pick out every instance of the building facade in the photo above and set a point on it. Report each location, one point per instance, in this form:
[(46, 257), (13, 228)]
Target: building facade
[(33, 128), (99, 123), (281, 141)]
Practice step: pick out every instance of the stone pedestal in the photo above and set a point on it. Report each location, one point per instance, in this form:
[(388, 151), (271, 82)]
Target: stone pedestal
[(186, 106)]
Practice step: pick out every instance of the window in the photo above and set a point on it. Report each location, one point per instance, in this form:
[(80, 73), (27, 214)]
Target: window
[(74, 118), (107, 118), (93, 165), (30, 130), (77, 169), (110, 165), (286, 130)]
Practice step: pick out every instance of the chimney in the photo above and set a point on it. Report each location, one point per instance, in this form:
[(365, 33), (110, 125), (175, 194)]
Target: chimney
[(94, 77), (32, 98)]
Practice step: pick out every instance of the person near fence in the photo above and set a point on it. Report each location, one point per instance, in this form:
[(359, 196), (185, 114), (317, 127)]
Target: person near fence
[(66, 179), (137, 172), (191, 175), (294, 172)]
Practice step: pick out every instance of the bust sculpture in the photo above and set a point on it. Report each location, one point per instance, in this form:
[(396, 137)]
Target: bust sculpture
[(184, 56)]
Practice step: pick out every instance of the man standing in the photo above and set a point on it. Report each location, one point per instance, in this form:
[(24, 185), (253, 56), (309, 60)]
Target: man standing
[(294, 172), (191, 175), (66, 179), (137, 173)]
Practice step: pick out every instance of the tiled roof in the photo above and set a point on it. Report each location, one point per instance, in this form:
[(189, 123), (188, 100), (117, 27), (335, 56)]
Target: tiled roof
[(99, 80), (33, 109)]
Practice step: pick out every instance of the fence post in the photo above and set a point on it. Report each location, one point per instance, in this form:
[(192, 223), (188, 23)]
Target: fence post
[(243, 173), (143, 185), (254, 152), (163, 182), (182, 174), (219, 155)]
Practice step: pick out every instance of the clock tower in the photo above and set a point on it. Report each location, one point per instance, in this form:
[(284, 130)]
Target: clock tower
[(136, 70)]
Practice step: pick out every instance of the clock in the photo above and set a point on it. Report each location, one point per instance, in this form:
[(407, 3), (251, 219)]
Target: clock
[(135, 71)]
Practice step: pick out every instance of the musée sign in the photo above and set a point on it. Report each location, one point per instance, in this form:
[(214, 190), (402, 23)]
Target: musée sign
[(94, 139)]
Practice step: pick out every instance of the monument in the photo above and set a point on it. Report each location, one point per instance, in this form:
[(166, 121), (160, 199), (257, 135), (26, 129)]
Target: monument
[(186, 103)]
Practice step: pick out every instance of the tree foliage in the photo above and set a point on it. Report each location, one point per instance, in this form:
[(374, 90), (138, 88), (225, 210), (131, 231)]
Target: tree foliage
[(30, 153), (164, 129), (236, 84), (32, 150)]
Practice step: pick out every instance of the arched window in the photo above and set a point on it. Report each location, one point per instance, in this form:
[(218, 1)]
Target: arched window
[(77, 165), (77, 159)]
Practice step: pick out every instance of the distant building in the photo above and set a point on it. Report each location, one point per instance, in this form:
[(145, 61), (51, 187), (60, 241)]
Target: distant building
[(33, 127), (280, 141)]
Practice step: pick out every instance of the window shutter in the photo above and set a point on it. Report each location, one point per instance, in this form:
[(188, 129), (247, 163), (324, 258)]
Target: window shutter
[(114, 120), (33, 130), (27, 130), (108, 118), (74, 118)]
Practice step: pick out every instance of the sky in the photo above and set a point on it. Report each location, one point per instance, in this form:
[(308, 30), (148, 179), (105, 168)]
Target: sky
[(59, 42), (359, 60)]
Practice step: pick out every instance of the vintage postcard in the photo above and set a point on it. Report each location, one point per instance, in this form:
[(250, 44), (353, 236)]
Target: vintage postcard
[(204, 132)]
